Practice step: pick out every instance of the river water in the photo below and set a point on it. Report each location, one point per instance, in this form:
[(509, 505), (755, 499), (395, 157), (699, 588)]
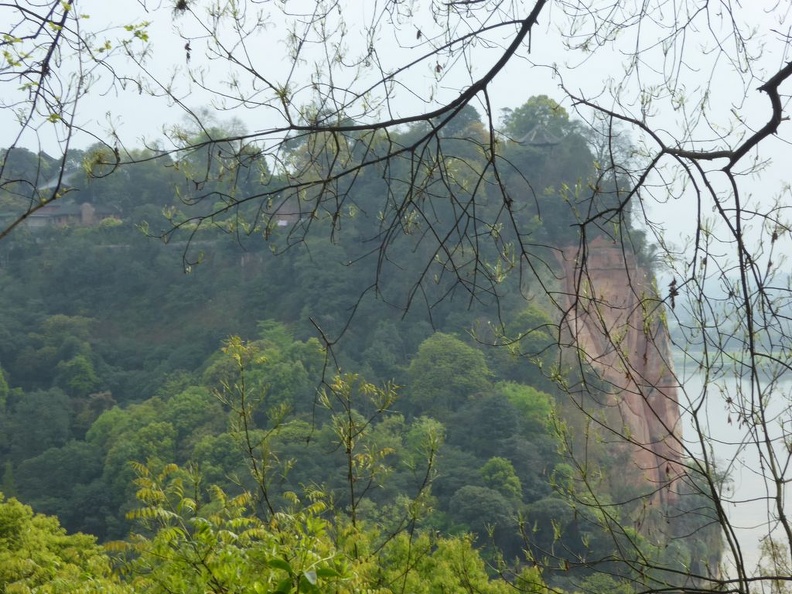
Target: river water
[(732, 443)]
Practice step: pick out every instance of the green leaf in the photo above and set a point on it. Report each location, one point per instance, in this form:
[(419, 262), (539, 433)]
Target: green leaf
[(281, 564)]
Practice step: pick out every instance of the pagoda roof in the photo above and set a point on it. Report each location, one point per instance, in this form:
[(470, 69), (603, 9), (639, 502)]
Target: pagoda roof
[(539, 135)]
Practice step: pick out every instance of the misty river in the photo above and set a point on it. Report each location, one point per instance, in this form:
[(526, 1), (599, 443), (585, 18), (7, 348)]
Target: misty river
[(747, 492)]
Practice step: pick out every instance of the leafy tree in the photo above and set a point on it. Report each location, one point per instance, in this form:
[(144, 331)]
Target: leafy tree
[(155, 443), (550, 523), (122, 188), (445, 373), (423, 440), (538, 111), (365, 458), (125, 436), (60, 338), (23, 172), (227, 549), (533, 461), (193, 413), (498, 474), (457, 468), (77, 376), (529, 348), (87, 410), (535, 407), (36, 422), (36, 555), (279, 371), (488, 514), (66, 482), (423, 566), (117, 422), (601, 583), (224, 546)]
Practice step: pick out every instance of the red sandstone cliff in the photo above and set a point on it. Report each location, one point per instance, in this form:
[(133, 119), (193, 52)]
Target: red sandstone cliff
[(614, 320)]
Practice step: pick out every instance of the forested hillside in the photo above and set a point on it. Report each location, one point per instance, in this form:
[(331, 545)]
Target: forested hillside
[(212, 399)]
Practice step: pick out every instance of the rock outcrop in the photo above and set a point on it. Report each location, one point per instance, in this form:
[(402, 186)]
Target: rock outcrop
[(615, 322)]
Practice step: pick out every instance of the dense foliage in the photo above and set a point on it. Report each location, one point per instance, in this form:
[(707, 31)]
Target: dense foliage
[(406, 457)]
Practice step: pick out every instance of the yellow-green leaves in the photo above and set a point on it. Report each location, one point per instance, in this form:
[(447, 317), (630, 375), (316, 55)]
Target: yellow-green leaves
[(139, 30), (36, 555), (224, 546)]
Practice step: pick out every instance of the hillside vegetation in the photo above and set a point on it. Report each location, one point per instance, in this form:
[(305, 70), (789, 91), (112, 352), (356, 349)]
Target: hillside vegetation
[(249, 407)]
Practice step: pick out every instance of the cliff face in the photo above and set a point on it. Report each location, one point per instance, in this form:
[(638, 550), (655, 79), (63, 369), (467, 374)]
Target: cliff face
[(614, 321)]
